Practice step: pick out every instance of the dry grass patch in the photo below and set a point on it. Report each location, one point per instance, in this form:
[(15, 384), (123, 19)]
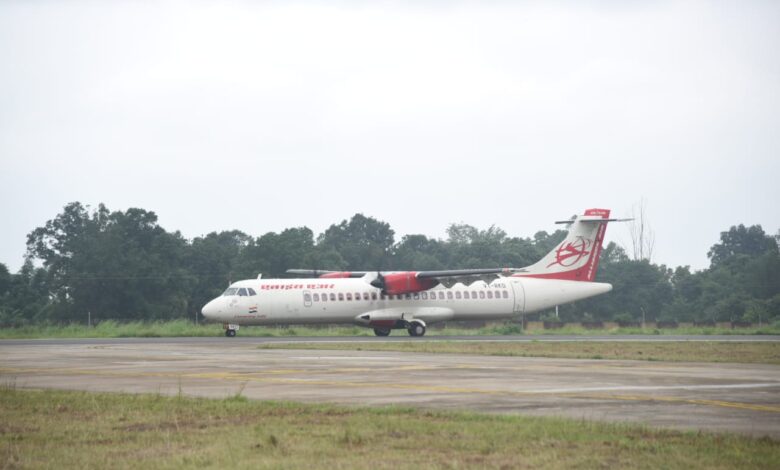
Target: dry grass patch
[(82, 430)]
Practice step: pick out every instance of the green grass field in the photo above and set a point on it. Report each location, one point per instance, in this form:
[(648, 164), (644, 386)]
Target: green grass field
[(56, 429), (696, 351), (184, 328)]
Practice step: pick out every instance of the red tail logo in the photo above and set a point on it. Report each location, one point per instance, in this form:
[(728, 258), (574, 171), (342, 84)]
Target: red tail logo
[(571, 253)]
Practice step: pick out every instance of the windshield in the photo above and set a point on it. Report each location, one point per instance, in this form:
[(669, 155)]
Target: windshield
[(230, 291)]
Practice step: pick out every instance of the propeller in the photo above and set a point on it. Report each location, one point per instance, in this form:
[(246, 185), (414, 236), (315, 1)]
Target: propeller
[(379, 282)]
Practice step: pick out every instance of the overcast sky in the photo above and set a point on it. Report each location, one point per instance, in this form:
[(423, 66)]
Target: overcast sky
[(260, 116)]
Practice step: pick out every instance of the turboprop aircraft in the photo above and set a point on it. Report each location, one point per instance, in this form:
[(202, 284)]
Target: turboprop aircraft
[(412, 300)]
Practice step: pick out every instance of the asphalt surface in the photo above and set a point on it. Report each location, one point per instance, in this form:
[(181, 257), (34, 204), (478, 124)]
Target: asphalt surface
[(742, 398)]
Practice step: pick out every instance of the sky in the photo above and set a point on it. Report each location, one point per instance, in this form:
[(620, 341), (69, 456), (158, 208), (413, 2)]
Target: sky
[(260, 116)]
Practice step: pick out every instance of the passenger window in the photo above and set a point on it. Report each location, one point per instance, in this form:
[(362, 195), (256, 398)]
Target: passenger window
[(341, 296), (307, 297), (357, 296), (366, 296), (324, 297), (373, 296), (349, 295), (498, 294), (449, 295), (490, 294), (506, 295), (408, 296), (316, 297), (457, 295), (470, 295), (441, 295), (383, 297), (424, 296), (481, 294), (251, 291), (242, 292), (332, 297)]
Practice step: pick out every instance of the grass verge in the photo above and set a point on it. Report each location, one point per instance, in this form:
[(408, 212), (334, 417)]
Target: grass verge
[(185, 328), (686, 351), (56, 429)]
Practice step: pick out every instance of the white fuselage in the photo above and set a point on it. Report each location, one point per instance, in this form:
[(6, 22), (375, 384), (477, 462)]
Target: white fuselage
[(354, 300)]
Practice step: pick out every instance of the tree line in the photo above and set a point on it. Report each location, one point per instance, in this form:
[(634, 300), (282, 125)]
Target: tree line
[(123, 265)]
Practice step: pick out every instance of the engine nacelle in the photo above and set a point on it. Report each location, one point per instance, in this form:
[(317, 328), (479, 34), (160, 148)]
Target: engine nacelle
[(406, 283)]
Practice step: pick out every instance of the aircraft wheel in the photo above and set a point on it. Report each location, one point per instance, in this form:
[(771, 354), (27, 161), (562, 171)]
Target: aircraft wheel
[(416, 329), (382, 331), (230, 333)]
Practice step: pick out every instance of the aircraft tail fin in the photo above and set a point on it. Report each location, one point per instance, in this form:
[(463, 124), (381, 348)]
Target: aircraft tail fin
[(576, 258)]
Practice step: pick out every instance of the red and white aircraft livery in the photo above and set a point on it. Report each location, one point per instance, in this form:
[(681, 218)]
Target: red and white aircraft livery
[(412, 300)]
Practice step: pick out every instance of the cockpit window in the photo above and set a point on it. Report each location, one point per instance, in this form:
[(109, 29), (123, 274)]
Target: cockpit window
[(230, 291), (242, 291), (251, 291)]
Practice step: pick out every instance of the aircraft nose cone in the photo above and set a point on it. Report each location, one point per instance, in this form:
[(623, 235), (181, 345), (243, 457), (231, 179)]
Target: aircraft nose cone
[(211, 309)]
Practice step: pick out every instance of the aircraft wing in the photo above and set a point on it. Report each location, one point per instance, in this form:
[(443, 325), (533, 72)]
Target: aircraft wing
[(325, 274), (449, 278)]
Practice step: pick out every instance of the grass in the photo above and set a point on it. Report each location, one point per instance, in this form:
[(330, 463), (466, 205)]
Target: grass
[(172, 328), (57, 429), (695, 351), (185, 328), (691, 330)]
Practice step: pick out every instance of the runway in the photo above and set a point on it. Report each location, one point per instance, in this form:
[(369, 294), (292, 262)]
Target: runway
[(219, 339), (743, 398)]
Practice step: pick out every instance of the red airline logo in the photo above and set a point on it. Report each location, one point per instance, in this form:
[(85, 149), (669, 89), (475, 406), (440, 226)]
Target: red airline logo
[(571, 253)]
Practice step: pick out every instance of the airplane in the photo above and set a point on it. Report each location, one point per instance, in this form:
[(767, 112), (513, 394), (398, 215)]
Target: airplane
[(412, 300)]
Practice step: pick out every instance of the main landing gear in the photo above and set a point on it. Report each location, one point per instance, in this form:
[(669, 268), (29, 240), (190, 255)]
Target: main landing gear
[(416, 328)]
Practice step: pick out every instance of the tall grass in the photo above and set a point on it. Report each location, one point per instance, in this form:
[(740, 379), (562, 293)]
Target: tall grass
[(185, 328)]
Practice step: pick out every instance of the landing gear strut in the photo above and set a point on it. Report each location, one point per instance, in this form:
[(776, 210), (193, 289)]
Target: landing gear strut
[(416, 328)]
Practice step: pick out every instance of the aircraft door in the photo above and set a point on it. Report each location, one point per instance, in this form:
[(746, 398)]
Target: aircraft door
[(519, 296), (307, 298)]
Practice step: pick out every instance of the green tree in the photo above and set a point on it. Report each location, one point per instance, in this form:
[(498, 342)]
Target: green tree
[(112, 264), (364, 243), (640, 289), (211, 262), (744, 276), (26, 299), (274, 253), (419, 253), (740, 240), (5, 280)]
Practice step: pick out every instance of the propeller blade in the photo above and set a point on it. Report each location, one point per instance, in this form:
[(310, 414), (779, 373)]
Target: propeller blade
[(379, 281)]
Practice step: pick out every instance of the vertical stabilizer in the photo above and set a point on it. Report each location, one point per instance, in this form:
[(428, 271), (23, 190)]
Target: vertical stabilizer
[(577, 257)]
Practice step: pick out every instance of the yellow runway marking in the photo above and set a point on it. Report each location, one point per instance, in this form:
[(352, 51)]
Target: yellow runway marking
[(695, 401), (264, 377)]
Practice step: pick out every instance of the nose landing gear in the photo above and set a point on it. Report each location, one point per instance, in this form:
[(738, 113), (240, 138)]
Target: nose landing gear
[(230, 329)]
